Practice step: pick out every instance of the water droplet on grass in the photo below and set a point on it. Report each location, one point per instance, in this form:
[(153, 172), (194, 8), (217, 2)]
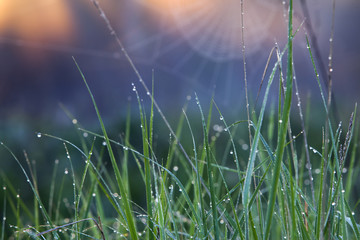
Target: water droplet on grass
[(38, 135), (176, 168), (74, 121), (66, 171), (221, 118)]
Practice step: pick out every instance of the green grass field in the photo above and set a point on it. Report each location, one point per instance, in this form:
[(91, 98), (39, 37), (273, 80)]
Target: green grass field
[(206, 182)]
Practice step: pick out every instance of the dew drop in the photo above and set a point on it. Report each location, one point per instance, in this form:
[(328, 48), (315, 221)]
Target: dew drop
[(188, 97), (74, 121), (66, 171), (85, 134), (231, 152), (352, 213), (331, 70), (176, 168), (343, 191), (221, 118), (38, 135), (280, 121), (333, 203), (104, 143)]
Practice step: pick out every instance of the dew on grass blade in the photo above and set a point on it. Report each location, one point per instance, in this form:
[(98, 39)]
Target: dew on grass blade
[(74, 121), (66, 171), (38, 135)]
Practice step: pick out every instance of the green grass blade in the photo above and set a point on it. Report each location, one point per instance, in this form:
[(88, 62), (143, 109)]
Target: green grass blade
[(210, 173), (41, 205), (123, 193), (253, 151), (283, 128)]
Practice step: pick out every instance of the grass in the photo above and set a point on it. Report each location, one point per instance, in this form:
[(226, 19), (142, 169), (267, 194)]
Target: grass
[(202, 190)]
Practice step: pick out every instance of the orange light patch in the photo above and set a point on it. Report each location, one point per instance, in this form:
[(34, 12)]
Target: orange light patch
[(36, 19)]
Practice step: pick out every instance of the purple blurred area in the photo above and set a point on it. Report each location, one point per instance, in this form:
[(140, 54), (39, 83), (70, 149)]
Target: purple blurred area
[(189, 46)]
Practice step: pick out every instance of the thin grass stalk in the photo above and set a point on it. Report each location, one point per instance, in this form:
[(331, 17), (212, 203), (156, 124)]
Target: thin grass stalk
[(318, 229), (145, 141), (244, 64), (125, 160), (32, 170), (52, 187), (352, 219), (210, 173), (350, 175), (4, 215), (197, 189), (76, 203)]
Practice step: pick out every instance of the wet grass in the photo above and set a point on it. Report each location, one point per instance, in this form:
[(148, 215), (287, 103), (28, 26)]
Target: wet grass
[(213, 188)]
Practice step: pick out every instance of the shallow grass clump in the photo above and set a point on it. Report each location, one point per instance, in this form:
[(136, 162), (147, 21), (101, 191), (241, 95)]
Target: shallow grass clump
[(279, 188)]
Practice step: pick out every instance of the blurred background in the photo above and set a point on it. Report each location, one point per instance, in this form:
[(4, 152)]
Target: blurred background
[(192, 46), (186, 46)]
